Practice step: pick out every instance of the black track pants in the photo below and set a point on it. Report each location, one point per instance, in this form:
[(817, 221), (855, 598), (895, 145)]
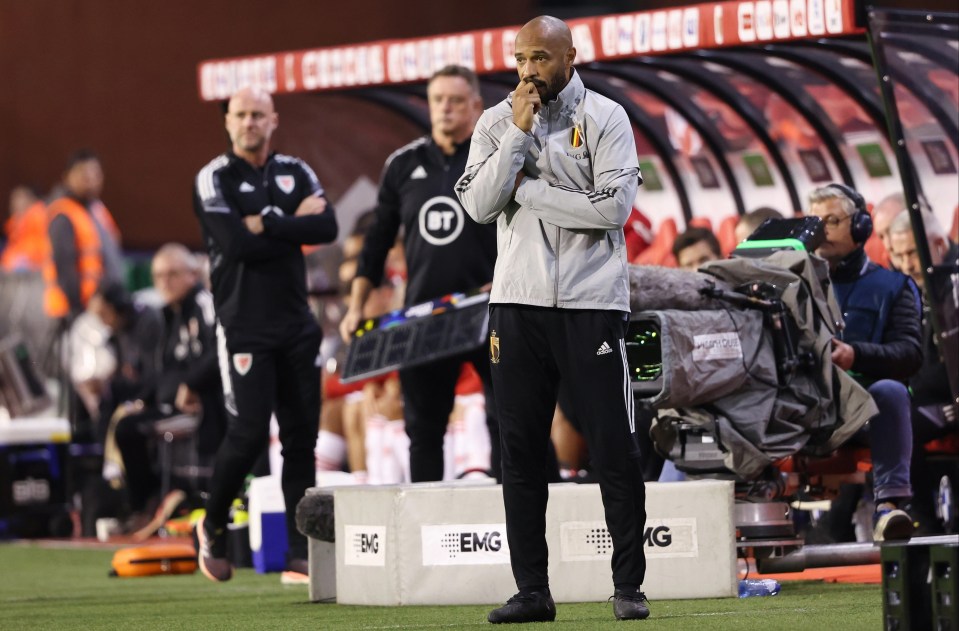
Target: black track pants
[(285, 380), (536, 349)]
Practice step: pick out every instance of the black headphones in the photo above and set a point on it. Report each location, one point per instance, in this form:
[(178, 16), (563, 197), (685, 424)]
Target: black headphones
[(860, 224)]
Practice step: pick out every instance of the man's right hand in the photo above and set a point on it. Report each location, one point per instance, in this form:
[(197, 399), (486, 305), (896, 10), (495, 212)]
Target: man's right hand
[(254, 223), (349, 324), (526, 103)]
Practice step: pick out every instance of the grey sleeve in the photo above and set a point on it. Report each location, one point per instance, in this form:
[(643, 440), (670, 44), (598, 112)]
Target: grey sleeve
[(64, 244), (615, 180), (486, 186)]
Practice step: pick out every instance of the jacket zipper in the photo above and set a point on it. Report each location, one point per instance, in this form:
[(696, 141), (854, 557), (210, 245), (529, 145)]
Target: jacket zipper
[(550, 167), (556, 281)]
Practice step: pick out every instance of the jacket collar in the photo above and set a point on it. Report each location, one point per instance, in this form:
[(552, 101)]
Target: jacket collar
[(570, 96), (459, 150), (851, 267), (235, 159)]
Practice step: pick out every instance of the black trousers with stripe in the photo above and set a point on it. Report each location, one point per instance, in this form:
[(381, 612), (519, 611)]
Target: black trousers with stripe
[(284, 380), (583, 350)]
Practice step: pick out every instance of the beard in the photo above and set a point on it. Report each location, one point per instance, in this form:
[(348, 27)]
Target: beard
[(550, 87)]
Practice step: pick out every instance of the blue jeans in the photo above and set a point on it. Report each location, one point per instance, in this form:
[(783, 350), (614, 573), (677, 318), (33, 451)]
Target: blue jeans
[(890, 440)]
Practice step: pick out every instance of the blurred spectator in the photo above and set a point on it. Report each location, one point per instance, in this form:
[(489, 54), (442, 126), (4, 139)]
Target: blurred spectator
[(26, 231), (446, 252), (934, 411), (748, 223), (84, 240), (135, 333), (695, 247), (884, 212), (902, 245), (880, 346), (187, 380)]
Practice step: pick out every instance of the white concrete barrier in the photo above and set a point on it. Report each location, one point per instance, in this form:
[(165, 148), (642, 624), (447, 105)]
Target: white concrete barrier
[(437, 544)]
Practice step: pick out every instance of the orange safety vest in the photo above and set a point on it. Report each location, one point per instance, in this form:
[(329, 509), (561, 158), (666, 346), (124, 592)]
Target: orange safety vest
[(27, 240), (89, 253)]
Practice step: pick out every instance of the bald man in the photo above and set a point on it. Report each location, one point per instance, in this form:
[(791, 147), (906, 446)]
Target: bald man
[(257, 208), (554, 165)]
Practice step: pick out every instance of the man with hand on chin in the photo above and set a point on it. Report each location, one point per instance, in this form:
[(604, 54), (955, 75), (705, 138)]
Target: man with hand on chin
[(554, 165)]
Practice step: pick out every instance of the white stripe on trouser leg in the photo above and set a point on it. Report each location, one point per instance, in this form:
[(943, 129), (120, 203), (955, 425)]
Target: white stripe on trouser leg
[(223, 358), (627, 388)]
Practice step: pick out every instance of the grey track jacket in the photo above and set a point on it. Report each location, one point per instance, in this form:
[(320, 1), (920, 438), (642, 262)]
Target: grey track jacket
[(560, 239)]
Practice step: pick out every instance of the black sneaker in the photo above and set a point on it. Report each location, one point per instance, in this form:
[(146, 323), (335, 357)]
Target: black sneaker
[(212, 553), (630, 605), (531, 607)]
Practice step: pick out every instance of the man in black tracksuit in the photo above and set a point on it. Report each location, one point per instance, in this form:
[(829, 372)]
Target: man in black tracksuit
[(257, 209), (446, 252)]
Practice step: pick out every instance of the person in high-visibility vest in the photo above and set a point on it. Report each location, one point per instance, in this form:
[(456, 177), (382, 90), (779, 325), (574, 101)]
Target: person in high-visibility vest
[(84, 240), (26, 231)]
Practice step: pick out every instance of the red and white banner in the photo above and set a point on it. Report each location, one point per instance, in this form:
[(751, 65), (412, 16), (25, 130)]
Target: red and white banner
[(702, 26)]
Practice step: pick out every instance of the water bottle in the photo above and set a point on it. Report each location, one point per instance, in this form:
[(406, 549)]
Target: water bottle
[(758, 587)]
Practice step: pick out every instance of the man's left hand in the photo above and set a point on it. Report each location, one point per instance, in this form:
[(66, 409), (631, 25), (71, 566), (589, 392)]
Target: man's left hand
[(843, 355)]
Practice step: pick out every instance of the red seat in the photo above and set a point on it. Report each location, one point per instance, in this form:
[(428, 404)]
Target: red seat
[(727, 234), (660, 251), (701, 222), (877, 251)]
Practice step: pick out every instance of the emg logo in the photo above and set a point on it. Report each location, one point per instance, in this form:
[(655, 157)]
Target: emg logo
[(464, 544), (588, 541), (365, 545), (658, 537), (369, 543), (476, 542)]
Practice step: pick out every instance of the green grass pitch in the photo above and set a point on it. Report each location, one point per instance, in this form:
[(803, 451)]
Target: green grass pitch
[(43, 587)]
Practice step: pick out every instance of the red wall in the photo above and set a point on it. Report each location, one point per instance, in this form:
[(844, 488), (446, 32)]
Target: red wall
[(119, 77)]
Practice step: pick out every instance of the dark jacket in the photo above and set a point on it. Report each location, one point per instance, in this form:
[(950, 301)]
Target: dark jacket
[(446, 251), (930, 386), (881, 311), (189, 355), (259, 280)]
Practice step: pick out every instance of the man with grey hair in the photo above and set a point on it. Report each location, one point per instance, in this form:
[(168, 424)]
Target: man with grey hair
[(902, 244), (883, 214), (445, 251), (879, 346), (934, 410), (187, 382)]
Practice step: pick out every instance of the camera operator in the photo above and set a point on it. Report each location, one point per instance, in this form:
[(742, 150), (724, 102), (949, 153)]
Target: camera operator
[(880, 346)]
